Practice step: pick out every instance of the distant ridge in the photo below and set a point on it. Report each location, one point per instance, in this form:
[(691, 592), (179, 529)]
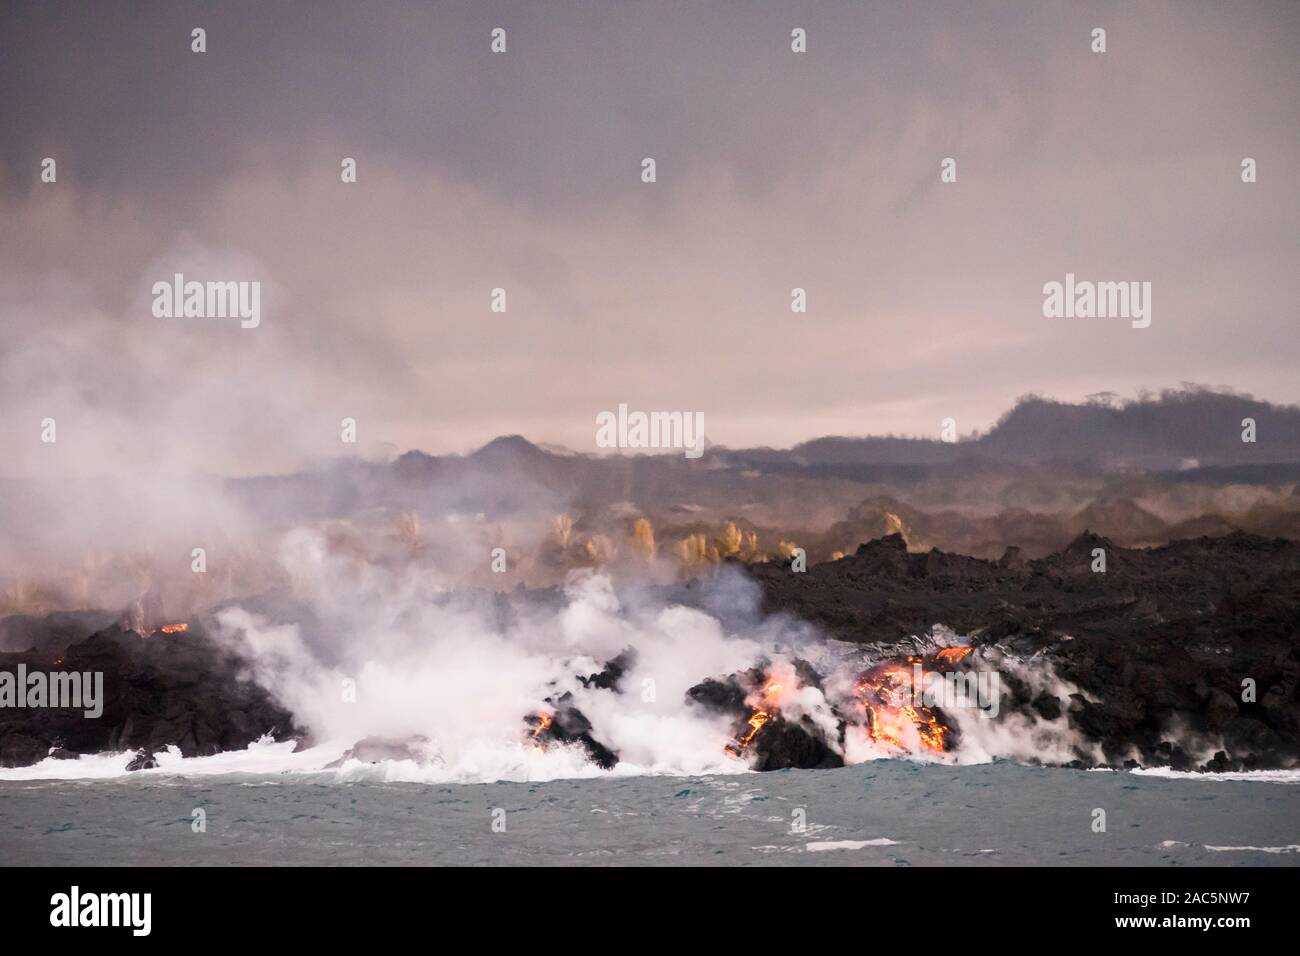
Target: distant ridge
[(508, 446), (1188, 437), (1181, 429), (1192, 430)]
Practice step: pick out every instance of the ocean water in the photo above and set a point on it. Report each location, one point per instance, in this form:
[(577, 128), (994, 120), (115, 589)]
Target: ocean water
[(880, 813)]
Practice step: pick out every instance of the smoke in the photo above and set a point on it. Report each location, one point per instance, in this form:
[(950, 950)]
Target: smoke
[(397, 673), (393, 654), (442, 681)]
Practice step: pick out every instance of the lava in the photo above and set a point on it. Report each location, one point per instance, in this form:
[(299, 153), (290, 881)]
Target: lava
[(542, 722), (764, 711), (756, 723), (894, 718), (166, 629)]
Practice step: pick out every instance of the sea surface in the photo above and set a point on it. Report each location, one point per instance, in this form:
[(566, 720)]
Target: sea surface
[(881, 813)]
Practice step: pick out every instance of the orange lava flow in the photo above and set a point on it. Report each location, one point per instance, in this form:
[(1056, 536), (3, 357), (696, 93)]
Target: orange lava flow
[(893, 716), (544, 720), (756, 723), (174, 628), (764, 710)]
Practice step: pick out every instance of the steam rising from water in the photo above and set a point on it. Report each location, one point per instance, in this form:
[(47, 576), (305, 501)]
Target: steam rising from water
[(457, 674), (446, 678), (451, 676)]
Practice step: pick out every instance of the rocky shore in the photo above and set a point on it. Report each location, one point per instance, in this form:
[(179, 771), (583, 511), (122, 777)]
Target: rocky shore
[(159, 691), (1197, 640), (1186, 656)]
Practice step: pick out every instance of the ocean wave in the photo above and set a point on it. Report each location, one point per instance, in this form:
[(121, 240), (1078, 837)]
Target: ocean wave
[(266, 758), (1255, 776)]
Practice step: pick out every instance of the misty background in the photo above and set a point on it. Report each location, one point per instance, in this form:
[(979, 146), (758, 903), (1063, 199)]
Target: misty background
[(522, 171)]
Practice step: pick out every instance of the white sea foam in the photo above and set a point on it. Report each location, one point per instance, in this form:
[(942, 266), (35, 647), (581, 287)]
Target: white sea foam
[(849, 844), (1254, 776), (1290, 848), (260, 757)]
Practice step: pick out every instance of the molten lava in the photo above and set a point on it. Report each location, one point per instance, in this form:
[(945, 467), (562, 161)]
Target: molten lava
[(764, 710), (542, 722), (167, 629), (951, 655), (894, 718), (756, 722)]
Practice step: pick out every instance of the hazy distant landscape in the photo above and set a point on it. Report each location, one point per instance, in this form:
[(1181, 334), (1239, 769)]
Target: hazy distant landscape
[(1141, 473)]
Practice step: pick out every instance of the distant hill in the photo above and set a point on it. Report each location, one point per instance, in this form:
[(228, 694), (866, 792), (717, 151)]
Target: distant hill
[(1189, 436), (1181, 429)]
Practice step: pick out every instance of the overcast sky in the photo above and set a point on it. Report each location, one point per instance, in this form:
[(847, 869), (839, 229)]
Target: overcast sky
[(522, 170)]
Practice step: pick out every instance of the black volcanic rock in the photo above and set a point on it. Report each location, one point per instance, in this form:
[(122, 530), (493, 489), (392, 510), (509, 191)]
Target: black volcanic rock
[(780, 743), (609, 676), (1163, 643), (179, 689), (144, 760), (786, 745), (569, 725), (18, 749), (726, 696)]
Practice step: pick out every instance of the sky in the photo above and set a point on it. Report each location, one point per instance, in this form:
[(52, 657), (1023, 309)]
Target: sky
[(522, 170)]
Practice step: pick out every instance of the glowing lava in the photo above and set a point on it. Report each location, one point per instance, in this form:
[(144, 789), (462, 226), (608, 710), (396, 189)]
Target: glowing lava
[(167, 629), (544, 721), (756, 723), (894, 718), (764, 710)]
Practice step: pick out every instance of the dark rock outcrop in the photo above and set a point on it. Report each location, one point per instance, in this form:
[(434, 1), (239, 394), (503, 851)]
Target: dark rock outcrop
[(1197, 639), (778, 743), (568, 725), (164, 690), (783, 745), (609, 676), (144, 760)]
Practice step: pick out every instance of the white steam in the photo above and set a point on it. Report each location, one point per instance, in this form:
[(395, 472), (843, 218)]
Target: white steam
[(450, 677), (445, 673), (441, 682)]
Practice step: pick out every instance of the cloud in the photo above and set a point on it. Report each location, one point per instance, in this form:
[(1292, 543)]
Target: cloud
[(520, 171)]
